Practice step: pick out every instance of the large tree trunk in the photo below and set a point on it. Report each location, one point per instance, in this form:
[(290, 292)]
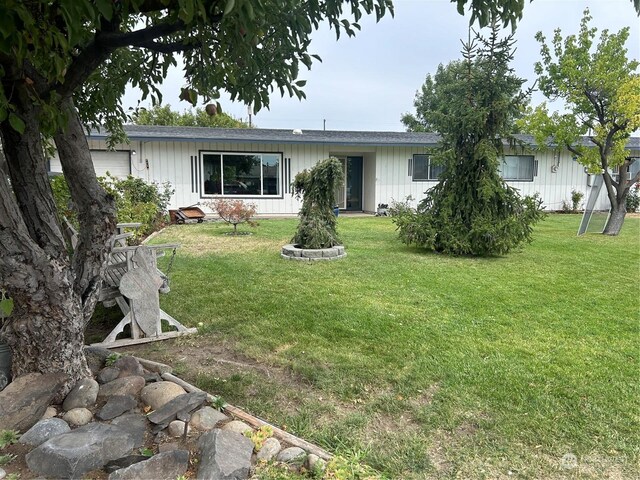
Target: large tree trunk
[(616, 219), (617, 193), (54, 293)]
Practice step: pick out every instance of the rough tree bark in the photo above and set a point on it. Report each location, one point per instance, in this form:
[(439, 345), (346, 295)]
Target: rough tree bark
[(618, 192), (54, 291)]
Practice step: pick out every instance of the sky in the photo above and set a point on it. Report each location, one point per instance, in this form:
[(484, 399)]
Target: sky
[(368, 81)]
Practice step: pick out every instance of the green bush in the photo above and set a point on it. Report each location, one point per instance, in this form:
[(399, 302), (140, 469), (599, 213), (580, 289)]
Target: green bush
[(633, 199), (317, 227), (136, 201)]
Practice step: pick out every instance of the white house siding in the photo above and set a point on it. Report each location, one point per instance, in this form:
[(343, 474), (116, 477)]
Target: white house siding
[(394, 181), (171, 161), (386, 173), (115, 163)]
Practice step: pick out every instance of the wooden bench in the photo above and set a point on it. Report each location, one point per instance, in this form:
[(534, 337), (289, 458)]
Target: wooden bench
[(132, 281)]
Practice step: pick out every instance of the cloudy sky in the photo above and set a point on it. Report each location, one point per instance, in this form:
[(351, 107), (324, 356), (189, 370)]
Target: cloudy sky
[(369, 81)]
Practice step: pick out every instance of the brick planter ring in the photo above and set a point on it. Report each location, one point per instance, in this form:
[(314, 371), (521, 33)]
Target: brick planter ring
[(292, 252)]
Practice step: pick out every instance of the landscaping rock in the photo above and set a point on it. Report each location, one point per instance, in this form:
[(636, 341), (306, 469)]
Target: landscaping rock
[(315, 464), (96, 358), (116, 406), (157, 394), (24, 401), (78, 416), (170, 464), (44, 430), (182, 403), (107, 374), (270, 448), (50, 412), (129, 366), (2, 473), (207, 418), (238, 427), (122, 386), (82, 395), (292, 455), (167, 447), (224, 455), (135, 425), (176, 428), (73, 454), (124, 462)]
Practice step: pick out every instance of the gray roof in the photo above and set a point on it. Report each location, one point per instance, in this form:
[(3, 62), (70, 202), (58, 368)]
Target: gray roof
[(263, 135), (325, 137)]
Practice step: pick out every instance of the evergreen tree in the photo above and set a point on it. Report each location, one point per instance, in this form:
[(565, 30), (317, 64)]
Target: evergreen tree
[(472, 104), (316, 187)]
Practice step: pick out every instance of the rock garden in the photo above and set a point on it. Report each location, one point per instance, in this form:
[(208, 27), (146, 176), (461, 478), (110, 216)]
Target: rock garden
[(135, 420)]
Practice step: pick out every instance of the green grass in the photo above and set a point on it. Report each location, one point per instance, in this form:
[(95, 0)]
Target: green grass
[(429, 366)]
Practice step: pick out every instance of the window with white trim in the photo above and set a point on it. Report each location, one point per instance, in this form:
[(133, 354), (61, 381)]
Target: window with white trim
[(517, 168), (241, 174), (424, 169)]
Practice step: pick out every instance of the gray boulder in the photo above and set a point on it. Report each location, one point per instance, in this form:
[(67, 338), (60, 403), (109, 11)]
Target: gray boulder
[(293, 455), (207, 418), (129, 366), (73, 454), (24, 401), (107, 374), (83, 395), (134, 424), (78, 416), (170, 464), (122, 386), (181, 404), (96, 357), (238, 427), (124, 462), (224, 455), (116, 406), (270, 448), (157, 394), (44, 430)]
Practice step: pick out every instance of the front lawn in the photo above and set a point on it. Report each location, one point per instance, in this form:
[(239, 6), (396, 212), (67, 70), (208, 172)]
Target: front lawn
[(422, 365)]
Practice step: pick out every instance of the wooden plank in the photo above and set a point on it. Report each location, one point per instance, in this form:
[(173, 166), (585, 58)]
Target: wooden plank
[(152, 247), (154, 366), (255, 422), (125, 342)]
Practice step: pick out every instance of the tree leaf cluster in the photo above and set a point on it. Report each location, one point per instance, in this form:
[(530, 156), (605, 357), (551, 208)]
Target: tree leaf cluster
[(599, 87), (316, 188)]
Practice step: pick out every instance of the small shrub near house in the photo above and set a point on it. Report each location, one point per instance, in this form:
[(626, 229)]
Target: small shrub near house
[(234, 212), (136, 201), (633, 200), (316, 187), (576, 198)]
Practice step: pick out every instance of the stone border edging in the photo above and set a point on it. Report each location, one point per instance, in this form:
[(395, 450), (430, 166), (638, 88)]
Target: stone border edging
[(292, 252), (165, 372)]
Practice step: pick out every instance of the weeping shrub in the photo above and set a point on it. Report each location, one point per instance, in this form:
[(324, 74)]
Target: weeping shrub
[(316, 187)]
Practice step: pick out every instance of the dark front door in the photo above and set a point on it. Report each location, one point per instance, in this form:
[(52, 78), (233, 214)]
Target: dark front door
[(354, 184)]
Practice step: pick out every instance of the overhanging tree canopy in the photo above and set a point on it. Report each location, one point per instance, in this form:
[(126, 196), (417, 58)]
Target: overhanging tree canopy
[(65, 65)]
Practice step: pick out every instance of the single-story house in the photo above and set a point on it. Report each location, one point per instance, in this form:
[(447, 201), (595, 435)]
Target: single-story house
[(258, 165)]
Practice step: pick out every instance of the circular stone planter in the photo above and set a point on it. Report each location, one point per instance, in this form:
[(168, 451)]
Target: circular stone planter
[(293, 252)]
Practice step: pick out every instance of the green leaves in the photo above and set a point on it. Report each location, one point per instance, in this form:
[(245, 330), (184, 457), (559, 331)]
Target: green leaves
[(16, 123)]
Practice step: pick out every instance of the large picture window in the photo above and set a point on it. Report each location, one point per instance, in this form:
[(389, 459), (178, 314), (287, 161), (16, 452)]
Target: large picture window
[(517, 168), (241, 174), (424, 169)]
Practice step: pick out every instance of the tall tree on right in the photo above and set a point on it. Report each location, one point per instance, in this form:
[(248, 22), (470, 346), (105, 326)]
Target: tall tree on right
[(472, 104), (601, 93)]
